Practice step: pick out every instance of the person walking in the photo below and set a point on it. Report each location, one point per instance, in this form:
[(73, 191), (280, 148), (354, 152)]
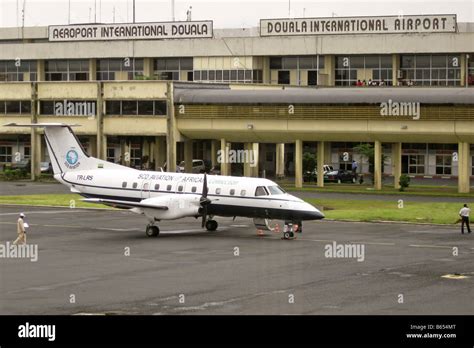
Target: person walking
[(464, 214), (21, 230), (354, 166)]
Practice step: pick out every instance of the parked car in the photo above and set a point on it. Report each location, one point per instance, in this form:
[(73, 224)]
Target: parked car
[(198, 166), (312, 176), (46, 167), (340, 175)]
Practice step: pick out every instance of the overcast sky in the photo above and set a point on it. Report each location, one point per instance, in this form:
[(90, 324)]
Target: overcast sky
[(224, 13)]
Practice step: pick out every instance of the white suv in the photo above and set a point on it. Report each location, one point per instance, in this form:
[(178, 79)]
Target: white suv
[(198, 166)]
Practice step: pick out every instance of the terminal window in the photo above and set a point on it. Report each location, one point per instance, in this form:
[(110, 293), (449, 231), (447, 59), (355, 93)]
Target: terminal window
[(306, 67), (173, 69), (67, 70), (16, 107), (5, 154), (119, 69), (350, 69), (443, 164), (136, 107), (18, 70), (236, 75), (431, 70)]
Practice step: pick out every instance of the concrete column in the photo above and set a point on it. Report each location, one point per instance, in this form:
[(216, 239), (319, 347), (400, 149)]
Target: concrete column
[(92, 69), (35, 138), (280, 160), (256, 154), (104, 147), (330, 67), (298, 163), (148, 67), (188, 156), (320, 163), (396, 164), (159, 152), (266, 78), (247, 167), (40, 70), (171, 131), (395, 67), (378, 165), (125, 151), (214, 148), (101, 150), (463, 167), (327, 153), (225, 165)]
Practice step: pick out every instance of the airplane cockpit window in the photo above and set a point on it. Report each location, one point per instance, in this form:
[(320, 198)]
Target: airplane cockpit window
[(135, 185), (261, 191), (157, 187), (276, 190), (168, 188), (124, 184)]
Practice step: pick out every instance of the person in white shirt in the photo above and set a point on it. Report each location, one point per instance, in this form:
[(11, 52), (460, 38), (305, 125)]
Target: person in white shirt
[(464, 214), (21, 230)]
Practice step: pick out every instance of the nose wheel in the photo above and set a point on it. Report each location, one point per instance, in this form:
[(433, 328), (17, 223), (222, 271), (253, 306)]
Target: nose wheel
[(211, 225), (152, 231)]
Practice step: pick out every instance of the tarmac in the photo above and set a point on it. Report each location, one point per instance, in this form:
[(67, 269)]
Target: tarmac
[(101, 262)]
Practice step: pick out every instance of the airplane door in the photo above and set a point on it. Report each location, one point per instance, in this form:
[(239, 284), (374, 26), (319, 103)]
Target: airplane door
[(146, 187)]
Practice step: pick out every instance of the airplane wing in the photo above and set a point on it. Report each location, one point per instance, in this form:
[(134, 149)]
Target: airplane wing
[(124, 204)]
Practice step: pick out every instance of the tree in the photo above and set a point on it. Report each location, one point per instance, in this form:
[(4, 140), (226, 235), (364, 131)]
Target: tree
[(368, 151), (309, 162)]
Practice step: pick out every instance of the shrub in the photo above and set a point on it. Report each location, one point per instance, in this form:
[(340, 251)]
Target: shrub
[(404, 182)]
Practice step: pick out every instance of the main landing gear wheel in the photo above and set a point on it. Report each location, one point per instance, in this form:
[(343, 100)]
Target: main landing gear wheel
[(152, 231), (211, 225)]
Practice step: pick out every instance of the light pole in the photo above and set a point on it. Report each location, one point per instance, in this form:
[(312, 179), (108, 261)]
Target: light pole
[(133, 11)]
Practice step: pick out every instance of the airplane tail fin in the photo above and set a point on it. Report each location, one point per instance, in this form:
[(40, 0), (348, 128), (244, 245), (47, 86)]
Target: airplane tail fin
[(65, 150)]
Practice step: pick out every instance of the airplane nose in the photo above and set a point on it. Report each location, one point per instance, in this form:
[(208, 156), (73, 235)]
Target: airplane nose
[(317, 215)]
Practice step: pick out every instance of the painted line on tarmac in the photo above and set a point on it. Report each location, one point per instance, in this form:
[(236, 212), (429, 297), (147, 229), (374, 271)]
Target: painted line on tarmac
[(46, 212), (430, 246)]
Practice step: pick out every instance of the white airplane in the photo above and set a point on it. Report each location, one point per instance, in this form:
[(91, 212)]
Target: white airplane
[(168, 196)]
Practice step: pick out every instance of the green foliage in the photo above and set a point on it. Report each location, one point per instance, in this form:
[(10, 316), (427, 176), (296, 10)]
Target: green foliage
[(309, 162), (404, 182), (14, 174), (368, 151)]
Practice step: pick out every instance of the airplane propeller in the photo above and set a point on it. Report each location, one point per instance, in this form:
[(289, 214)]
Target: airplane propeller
[(204, 201)]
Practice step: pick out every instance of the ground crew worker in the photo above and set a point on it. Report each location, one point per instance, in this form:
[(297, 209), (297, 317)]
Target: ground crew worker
[(20, 229), (464, 214)]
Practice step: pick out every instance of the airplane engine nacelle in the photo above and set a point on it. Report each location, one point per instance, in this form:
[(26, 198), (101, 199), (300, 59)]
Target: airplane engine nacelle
[(179, 206)]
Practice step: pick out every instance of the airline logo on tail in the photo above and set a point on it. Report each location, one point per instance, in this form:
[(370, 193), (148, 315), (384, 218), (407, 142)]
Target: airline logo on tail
[(72, 159)]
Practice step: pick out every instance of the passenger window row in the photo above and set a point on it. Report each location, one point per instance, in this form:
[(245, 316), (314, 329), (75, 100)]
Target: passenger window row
[(259, 191)]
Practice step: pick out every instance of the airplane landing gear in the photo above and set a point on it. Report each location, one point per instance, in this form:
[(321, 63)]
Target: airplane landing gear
[(211, 225), (288, 231), (152, 230)]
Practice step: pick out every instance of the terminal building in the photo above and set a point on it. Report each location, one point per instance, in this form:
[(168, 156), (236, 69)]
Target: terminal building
[(149, 95)]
